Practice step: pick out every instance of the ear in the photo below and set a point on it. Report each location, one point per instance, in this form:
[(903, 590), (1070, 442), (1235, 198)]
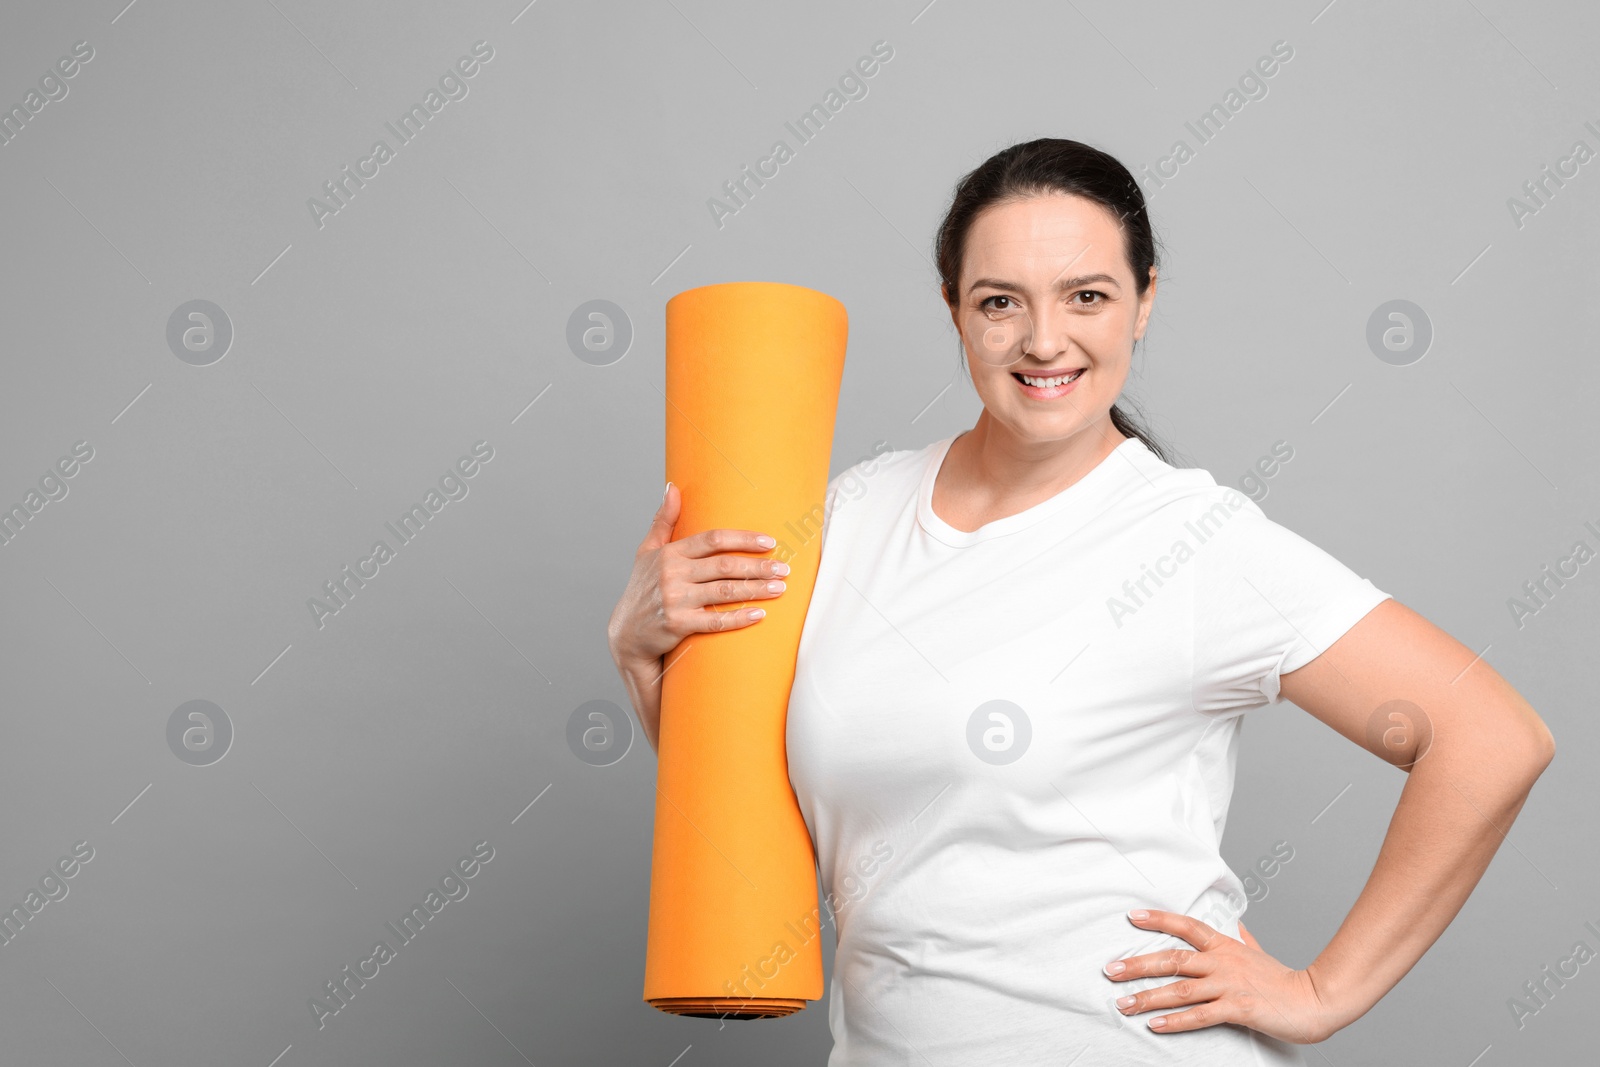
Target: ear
[(1146, 303)]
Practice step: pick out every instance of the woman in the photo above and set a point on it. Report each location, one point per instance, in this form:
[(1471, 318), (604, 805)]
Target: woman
[(1022, 676)]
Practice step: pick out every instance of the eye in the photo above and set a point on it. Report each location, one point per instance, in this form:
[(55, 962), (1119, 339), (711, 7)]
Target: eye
[(1090, 292), (1011, 305)]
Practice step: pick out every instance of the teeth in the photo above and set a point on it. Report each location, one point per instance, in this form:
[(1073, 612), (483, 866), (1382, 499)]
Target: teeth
[(1048, 382)]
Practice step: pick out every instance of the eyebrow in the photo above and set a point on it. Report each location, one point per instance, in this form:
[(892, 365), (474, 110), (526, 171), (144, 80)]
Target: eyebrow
[(1065, 283)]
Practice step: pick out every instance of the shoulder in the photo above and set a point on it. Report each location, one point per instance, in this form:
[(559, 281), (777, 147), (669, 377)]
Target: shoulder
[(1229, 535), (1218, 523), (1180, 494)]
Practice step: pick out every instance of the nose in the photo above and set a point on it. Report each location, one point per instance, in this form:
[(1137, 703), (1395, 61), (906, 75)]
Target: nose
[(1050, 334)]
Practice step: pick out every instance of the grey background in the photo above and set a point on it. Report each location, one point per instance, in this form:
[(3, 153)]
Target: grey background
[(428, 314)]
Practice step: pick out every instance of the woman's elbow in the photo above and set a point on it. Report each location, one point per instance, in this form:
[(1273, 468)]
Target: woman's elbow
[(1512, 758), (1528, 756), (1543, 749), (1529, 745)]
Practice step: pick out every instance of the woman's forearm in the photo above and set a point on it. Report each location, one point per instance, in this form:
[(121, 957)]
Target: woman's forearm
[(642, 679), (1457, 805)]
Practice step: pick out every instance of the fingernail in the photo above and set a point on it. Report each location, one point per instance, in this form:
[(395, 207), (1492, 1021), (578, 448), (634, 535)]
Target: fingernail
[(758, 613), (1123, 1002), (1116, 967), (766, 542), (780, 568), (1138, 914), (775, 586), (664, 492), (1158, 1022)]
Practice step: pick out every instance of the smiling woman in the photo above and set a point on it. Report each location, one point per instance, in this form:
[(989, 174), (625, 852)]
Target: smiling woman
[(1048, 268), (1052, 780)]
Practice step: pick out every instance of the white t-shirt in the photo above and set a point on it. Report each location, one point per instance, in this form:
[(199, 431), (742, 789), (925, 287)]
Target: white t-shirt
[(1004, 739)]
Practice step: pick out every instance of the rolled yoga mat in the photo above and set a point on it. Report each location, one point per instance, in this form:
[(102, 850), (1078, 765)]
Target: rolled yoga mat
[(753, 373)]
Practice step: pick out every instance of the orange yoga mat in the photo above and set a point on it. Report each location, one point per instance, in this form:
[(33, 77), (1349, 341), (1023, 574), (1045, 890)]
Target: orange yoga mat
[(753, 373)]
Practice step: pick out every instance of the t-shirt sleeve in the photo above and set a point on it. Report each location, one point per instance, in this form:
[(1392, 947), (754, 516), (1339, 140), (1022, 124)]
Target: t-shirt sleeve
[(1267, 602)]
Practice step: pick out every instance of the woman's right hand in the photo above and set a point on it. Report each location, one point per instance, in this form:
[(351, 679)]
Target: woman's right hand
[(672, 589)]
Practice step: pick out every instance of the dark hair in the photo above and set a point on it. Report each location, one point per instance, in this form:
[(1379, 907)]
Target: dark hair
[(1053, 165)]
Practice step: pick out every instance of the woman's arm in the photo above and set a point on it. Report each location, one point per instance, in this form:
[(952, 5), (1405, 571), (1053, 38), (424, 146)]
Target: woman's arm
[(674, 590), (1407, 691), (1473, 755), (642, 680)]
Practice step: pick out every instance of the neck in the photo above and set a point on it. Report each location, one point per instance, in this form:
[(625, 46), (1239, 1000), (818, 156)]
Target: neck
[(992, 461)]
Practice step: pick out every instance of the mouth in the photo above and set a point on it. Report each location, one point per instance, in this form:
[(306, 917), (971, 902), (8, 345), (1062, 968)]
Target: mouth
[(1048, 387)]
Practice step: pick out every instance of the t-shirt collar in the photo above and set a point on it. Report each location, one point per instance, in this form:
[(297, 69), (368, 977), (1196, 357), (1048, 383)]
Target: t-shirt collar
[(1096, 485)]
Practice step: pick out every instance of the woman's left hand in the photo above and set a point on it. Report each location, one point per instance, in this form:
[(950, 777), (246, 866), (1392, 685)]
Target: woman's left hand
[(1227, 981)]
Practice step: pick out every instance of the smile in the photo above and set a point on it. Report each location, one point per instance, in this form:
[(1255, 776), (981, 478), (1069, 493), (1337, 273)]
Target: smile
[(1047, 388)]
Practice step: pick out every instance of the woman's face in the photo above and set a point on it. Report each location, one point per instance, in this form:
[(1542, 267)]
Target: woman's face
[(1046, 290)]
